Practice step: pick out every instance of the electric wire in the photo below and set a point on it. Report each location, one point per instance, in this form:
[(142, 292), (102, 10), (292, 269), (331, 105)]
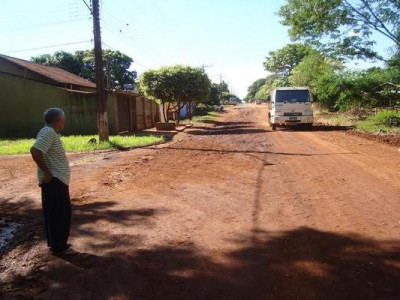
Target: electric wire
[(50, 46)]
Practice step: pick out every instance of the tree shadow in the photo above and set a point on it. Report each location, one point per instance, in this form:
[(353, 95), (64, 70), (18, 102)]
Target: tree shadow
[(86, 219), (303, 263), (231, 127), (331, 128), (221, 123), (28, 214), (227, 131), (316, 128), (23, 212), (226, 128), (92, 212), (249, 151)]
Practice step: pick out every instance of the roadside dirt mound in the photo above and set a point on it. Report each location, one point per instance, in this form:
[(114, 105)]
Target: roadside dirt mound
[(390, 139)]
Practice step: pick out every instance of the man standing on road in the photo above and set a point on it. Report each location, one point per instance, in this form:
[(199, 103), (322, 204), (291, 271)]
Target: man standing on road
[(54, 174)]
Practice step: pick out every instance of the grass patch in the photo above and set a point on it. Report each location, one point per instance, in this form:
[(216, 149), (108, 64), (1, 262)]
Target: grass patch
[(334, 119), (209, 117), (367, 123), (20, 146), (373, 126), (81, 143), (386, 117)]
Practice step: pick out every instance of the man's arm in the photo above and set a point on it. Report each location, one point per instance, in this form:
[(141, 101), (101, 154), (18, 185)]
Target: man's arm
[(39, 160)]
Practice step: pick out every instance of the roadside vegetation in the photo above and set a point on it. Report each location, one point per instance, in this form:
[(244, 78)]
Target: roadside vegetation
[(177, 87), (323, 56), (207, 118), (81, 143), (385, 121)]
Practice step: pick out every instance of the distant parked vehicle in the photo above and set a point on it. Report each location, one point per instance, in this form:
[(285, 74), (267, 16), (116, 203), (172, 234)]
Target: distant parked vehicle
[(290, 106), (233, 101)]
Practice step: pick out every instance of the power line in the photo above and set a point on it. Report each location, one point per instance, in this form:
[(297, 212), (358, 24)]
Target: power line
[(134, 60), (43, 25), (108, 46), (45, 47), (90, 9), (122, 27), (23, 13)]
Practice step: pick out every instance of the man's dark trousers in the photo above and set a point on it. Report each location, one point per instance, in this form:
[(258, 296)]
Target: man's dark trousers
[(57, 213)]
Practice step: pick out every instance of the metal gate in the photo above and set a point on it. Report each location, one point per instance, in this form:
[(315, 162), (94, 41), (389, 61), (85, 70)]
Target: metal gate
[(123, 113)]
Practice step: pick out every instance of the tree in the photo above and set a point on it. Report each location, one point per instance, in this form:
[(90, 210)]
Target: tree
[(61, 59), (275, 80), (223, 87), (311, 68), (226, 95), (342, 27), (345, 90), (175, 86), (216, 90), (282, 61), (253, 89), (214, 97), (81, 63), (262, 93)]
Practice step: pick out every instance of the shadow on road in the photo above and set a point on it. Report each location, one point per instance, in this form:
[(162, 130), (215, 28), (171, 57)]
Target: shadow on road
[(316, 128), (26, 215), (300, 264), (226, 131), (226, 128), (303, 263), (250, 151)]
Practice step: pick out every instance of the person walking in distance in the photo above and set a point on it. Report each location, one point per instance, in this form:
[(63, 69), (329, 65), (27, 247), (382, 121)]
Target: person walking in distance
[(54, 175)]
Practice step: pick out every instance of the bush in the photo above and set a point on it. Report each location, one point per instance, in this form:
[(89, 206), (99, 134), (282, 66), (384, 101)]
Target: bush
[(202, 109), (388, 117), (366, 89)]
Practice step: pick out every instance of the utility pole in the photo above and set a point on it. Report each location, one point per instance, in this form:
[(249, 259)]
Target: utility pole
[(204, 66), (220, 78), (102, 119)]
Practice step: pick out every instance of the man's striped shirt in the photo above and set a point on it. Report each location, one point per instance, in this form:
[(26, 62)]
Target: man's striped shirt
[(49, 143)]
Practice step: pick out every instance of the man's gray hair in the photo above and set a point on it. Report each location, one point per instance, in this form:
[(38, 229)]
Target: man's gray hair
[(52, 115)]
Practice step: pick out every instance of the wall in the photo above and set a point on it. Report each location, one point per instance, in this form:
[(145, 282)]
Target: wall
[(135, 112), (23, 101)]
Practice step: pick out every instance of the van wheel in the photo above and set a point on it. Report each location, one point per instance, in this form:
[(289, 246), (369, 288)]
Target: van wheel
[(273, 126)]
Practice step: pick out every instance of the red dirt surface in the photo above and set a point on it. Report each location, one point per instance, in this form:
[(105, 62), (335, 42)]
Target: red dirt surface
[(227, 210)]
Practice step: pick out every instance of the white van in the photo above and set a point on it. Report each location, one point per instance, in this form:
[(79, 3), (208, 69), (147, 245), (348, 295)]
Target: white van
[(290, 106)]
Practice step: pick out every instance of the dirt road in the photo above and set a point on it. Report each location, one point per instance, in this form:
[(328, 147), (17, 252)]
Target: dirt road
[(228, 210)]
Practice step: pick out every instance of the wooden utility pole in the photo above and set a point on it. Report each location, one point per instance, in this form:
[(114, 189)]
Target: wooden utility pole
[(203, 67), (102, 119)]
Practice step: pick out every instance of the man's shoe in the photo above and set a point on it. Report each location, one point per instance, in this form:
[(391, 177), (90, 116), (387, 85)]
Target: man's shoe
[(66, 250)]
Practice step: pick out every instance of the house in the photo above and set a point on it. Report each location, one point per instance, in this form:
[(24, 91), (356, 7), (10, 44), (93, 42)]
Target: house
[(27, 89)]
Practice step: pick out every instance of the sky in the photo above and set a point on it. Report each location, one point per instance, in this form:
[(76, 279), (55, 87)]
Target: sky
[(230, 38)]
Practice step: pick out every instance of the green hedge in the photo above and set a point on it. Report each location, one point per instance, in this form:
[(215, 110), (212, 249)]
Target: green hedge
[(388, 117)]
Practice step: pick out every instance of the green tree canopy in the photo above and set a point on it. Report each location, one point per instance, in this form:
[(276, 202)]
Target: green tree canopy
[(311, 68), (61, 59), (253, 89), (371, 88), (342, 27), (226, 95), (214, 96), (82, 63), (216, 90), (177, 85), (282, 61), (262, 93), (275, 80)]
